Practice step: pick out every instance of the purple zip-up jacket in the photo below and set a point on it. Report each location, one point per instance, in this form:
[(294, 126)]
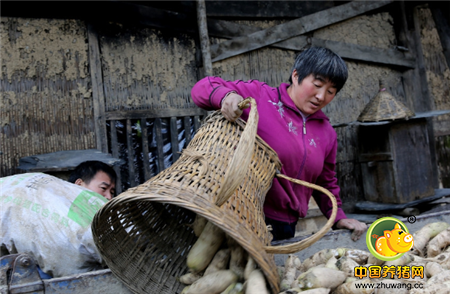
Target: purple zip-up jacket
[(306, 147)]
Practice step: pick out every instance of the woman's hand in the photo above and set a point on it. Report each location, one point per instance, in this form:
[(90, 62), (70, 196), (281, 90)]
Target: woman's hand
[(356, 226), (230, 109)]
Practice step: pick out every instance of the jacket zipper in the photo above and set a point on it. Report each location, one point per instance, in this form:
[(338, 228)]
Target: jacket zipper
[(304, 126), (304, 147), (304, 134)]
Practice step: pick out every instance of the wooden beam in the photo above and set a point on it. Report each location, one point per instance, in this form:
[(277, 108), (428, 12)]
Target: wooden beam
[(97, 90), (400, 23), (228, 30), (131, 171), (265, 9), (426, 101), (174, 138), (115, 154), (197, 123), (187, 130), (291, 29), (157, 128), (442, 26), (366, 53), (145, 150), (153, 113), (204, 38), (410, 78), (353, 51)]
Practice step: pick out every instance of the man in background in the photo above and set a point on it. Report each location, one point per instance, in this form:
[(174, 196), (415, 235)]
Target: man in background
[(50, 219), (95, 176)]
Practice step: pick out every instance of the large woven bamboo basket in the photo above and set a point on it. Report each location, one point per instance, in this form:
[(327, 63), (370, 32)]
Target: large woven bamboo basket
[(223, 175)]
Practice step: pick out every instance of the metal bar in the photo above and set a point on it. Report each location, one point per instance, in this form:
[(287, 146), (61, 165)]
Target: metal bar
[(25, 276)]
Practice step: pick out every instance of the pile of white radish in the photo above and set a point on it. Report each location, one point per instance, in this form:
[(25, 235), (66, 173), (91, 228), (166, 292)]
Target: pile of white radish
[(219, 265), (333, 270)]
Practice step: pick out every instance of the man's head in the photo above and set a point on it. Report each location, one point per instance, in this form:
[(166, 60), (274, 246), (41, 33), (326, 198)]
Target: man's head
[(318, 61), (96, 176)]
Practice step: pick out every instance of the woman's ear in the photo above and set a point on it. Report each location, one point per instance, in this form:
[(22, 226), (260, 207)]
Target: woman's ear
[(294, 76)]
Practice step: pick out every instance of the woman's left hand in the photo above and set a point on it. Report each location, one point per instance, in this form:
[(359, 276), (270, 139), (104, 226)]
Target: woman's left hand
[(356, 226)]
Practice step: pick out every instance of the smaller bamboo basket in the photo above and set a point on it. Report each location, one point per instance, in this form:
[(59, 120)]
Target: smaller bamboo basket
[(223, 175), (384, 107)]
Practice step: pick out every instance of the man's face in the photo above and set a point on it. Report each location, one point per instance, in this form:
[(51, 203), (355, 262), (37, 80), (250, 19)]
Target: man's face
[(101, 184)]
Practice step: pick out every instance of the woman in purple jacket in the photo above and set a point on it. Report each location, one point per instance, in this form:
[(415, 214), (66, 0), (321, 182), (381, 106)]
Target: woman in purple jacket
[(292, 123)]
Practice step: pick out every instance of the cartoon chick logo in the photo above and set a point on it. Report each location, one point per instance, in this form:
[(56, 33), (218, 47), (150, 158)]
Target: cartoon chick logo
[(388, 239)]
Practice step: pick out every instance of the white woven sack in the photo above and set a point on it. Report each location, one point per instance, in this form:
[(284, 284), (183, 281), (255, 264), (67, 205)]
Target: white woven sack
[(50, 219)]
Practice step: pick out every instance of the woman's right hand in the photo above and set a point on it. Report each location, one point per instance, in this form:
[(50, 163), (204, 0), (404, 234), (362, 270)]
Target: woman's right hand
[(230, 109)]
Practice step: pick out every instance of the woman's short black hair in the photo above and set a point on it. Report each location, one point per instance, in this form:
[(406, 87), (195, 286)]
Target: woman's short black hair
[(88, 169), (323, 62)]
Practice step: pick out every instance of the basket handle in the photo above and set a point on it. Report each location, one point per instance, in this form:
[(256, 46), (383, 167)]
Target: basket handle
[(243, 153), (295, 247)]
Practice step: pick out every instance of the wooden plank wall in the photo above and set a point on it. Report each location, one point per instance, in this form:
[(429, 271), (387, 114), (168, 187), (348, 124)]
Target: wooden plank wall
[(46, 102), (437, 72), (443, 155)]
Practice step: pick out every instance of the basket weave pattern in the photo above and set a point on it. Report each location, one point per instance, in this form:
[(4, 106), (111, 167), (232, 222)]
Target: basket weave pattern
[(143, 235), (384, 107), (223, 175)]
